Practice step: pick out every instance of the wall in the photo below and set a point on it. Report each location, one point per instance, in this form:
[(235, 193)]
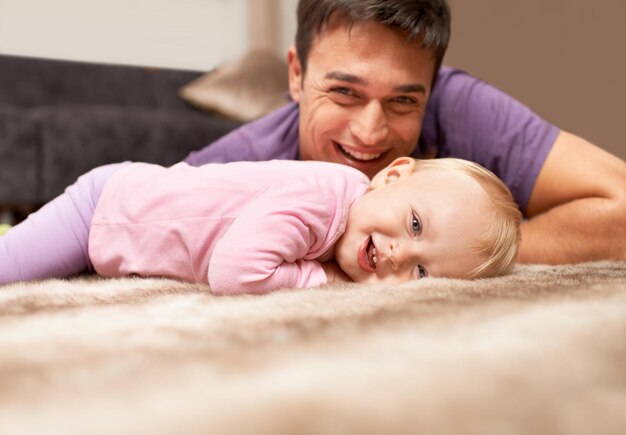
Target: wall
[(288, 23), (272, 24), (188, 34), (564, 58)]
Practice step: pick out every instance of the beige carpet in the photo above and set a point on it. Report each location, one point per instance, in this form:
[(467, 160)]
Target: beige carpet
[(542, 351)]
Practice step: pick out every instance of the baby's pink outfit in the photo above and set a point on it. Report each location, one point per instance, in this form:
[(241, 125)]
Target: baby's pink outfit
[(243, 227)]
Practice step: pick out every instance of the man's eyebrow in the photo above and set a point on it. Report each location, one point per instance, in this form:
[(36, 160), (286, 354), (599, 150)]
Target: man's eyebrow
[(351, 78), (410, 88), (346, 77)]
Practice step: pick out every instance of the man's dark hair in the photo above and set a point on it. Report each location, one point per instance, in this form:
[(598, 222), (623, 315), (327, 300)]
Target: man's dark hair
[(426, 22)]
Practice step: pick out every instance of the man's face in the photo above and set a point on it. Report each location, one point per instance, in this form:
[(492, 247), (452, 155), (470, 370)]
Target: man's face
[(412, 225), (363, 96)]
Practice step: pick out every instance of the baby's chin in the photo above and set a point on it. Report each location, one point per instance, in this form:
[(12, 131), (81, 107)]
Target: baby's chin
[(356, 274)]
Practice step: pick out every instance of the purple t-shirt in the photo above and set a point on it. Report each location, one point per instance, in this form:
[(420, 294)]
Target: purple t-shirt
[(465, 118)]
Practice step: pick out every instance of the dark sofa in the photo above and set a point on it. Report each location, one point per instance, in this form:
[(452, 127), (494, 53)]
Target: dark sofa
[(59, 119)]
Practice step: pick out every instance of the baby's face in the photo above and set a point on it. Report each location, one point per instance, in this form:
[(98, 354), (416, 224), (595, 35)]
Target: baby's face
[(414, 225)]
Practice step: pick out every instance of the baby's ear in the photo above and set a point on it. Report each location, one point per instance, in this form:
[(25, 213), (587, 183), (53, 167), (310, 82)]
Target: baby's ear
[(399, 168)]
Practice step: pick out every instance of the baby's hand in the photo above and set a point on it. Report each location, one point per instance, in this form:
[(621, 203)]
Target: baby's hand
[(334, 272)]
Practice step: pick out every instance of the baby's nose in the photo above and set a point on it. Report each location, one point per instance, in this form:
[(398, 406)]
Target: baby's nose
[(400, 254)]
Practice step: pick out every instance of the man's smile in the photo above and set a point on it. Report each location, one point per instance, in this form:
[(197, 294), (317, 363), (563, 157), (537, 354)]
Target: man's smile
[(359, 156)]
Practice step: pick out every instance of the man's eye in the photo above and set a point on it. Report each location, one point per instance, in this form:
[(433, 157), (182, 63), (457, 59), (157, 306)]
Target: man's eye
[(416, 225), (343, 91), (404, 105), (421, 271), (404, 100)]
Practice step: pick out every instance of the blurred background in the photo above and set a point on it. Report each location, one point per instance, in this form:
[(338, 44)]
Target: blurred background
[(563, 58)]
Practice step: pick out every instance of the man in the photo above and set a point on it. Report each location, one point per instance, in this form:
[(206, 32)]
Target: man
[(367, 87)]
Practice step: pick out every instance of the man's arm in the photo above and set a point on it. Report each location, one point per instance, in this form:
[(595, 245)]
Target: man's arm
[(577, 210)]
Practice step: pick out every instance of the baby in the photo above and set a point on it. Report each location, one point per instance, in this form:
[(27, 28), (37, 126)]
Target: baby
[(253, 227)]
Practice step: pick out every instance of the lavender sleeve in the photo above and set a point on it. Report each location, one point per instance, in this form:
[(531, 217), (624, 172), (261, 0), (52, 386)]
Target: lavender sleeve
[(470, 119), (53, 241)]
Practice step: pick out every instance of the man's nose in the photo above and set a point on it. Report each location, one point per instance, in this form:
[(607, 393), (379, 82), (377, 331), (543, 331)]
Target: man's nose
[(369, 123)]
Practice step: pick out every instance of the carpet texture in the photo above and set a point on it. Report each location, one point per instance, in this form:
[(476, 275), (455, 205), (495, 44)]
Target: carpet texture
[(541, 351)]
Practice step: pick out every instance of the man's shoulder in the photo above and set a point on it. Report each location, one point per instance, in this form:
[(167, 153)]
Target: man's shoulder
[(450, 80), (274, 136)]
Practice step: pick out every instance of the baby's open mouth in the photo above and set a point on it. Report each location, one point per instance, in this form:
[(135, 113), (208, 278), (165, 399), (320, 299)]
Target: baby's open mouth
[(370, 254)]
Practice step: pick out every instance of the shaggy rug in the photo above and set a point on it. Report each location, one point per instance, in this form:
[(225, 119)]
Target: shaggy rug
[(541, 351)]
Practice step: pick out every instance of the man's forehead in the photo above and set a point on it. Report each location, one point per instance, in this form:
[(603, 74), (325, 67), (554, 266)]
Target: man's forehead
[(347, 49)]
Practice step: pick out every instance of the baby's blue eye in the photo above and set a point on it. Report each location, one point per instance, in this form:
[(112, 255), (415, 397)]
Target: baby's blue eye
[(422, 271), (416, 225)]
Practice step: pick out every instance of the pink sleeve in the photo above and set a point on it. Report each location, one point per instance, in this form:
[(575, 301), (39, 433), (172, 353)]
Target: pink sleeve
[(274, 242)]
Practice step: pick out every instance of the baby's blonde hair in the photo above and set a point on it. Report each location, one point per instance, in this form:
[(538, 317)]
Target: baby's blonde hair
[(499, 244)]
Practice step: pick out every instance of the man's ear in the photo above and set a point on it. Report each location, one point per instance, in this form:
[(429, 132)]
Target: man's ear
[(295, 74), (399, 168)]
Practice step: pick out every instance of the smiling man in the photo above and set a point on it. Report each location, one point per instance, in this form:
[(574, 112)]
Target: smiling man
[(363, 97), (367, 86)]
